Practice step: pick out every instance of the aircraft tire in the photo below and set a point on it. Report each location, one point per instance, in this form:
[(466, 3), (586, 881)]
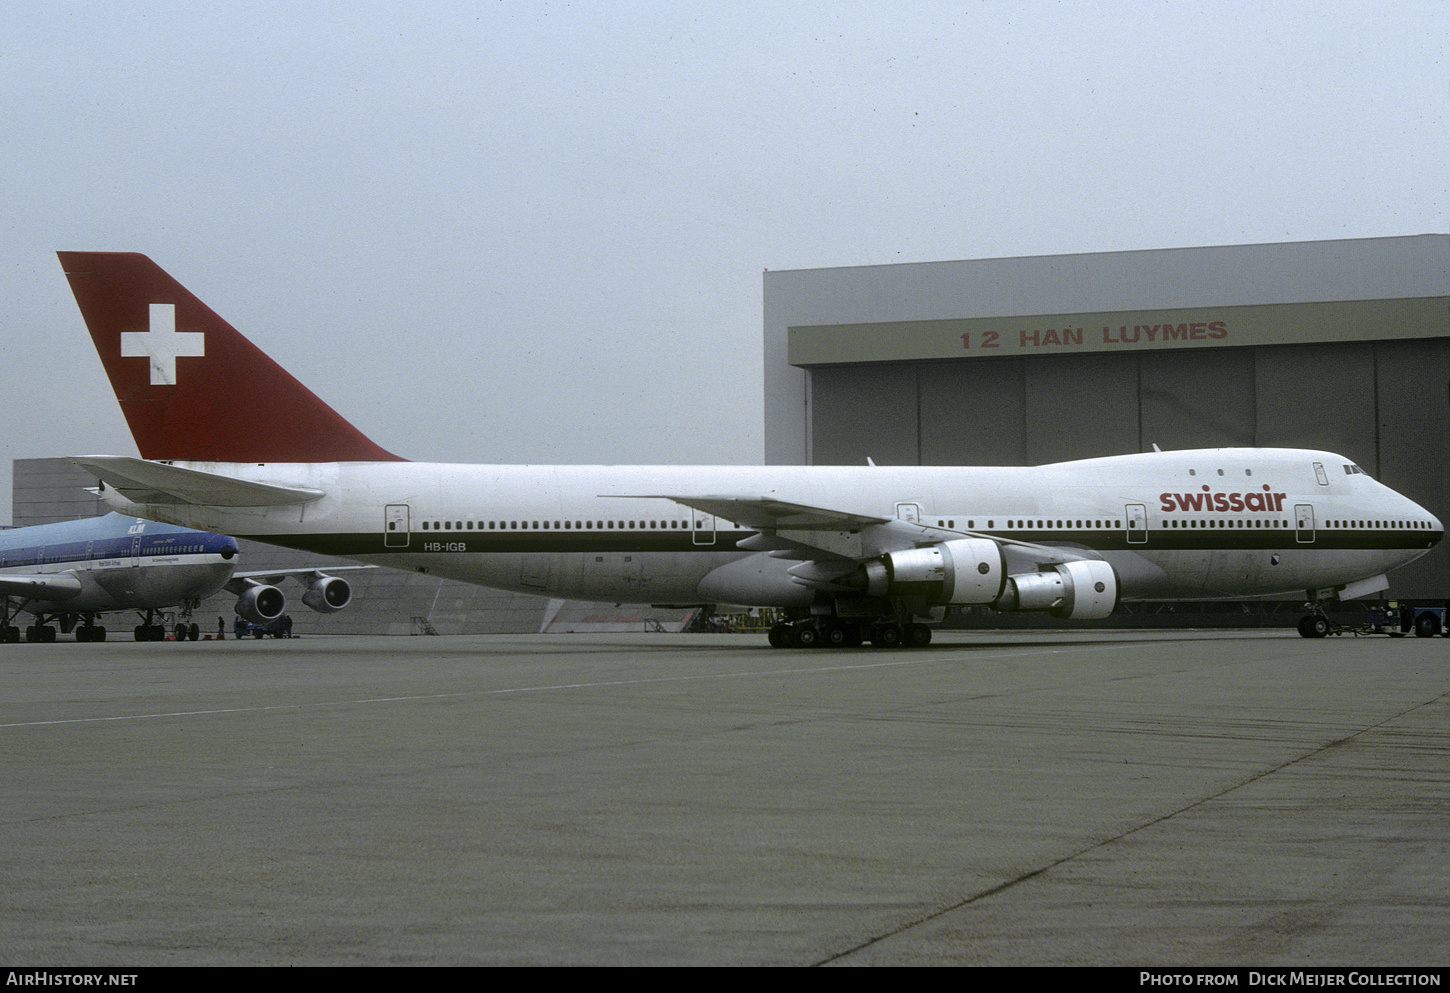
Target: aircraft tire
[(1427, 626), (918, 635), (180, 633), (98, 633), (887, 635), (1318, 627), (836, 636), (779, 636), (805, 636)]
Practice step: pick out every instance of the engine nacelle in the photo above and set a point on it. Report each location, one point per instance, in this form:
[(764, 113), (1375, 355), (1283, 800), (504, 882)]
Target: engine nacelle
[(328, 595), (1082, 590), (261, 604), (961, 571)]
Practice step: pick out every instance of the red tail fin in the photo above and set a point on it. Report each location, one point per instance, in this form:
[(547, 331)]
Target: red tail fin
[(191, 387)]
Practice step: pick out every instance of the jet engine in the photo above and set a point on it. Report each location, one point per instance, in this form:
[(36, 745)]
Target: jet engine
[(328, 595), (963, 571), (974, 571), (261, 604), (1082, 590)]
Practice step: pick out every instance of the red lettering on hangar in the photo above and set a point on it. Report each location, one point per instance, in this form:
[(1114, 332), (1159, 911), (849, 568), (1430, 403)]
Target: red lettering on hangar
[(1052, 336), (1222, 503), (1165, 332)]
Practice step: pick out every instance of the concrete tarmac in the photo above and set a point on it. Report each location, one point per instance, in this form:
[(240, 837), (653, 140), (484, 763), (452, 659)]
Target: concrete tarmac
[(1109, 798)]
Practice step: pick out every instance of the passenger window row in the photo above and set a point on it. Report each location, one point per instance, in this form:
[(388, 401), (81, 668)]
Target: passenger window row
[(1038, 525), (652, 525)]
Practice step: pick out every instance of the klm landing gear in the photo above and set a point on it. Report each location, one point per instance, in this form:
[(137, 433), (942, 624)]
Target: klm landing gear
[(40, 632), (90, 632), (9, 633), (834, 633), (150, 631)]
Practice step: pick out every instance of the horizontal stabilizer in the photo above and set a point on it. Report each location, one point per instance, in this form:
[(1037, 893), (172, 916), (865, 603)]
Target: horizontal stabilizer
[(156, 482)]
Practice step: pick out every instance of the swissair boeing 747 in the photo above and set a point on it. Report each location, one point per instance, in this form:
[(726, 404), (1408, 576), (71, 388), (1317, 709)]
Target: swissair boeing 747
[(231, 442)]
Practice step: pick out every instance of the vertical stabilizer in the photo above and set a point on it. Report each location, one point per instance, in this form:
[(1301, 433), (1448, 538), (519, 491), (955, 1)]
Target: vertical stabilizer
[(191, 387)]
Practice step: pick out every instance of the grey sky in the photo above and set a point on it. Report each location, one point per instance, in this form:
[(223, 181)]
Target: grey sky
[(534, 232)]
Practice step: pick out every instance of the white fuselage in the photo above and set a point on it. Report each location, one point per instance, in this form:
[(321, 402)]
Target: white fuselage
[(1206, 523)]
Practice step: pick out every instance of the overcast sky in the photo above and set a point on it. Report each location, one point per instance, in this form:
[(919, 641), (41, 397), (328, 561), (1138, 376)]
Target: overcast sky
[(534, 232)]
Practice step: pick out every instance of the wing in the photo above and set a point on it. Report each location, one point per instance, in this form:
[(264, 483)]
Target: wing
[(769, 514), (240, 581), (156, 482), (831, 544), (55, 586)]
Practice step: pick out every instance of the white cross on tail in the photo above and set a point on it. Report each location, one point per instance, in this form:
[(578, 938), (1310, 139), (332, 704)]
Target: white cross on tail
[(163, 344)]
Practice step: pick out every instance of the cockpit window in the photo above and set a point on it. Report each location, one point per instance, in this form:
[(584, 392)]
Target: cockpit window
[(1354, 470)]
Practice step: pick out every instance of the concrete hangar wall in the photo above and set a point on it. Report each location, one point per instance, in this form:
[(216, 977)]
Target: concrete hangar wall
[(1337, 345)]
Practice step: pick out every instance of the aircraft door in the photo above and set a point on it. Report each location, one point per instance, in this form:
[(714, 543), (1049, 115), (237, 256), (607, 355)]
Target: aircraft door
[(1304, 523), (395, 525), (909, 512), (131, 585), (1137, 523), (704, 533)]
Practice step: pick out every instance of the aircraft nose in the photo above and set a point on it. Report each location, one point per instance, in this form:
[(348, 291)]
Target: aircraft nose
[(1437, 530)]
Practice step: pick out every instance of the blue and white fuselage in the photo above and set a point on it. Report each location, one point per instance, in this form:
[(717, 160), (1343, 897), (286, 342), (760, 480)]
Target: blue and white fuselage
[(79, 569)]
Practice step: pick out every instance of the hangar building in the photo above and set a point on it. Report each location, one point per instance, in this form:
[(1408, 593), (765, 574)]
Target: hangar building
[(1336, 345)]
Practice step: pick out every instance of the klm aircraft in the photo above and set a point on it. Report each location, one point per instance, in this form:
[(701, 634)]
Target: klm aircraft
[(70, 574)]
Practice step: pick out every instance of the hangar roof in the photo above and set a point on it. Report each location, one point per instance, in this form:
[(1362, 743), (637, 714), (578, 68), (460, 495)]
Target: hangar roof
[(1357, 289)]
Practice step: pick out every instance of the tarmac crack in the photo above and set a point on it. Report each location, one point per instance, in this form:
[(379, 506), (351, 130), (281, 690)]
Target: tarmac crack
[(1105, 842)]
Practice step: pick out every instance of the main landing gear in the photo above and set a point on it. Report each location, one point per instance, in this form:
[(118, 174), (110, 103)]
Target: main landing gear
[(9, 633), (185, 630), (835, 633)]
